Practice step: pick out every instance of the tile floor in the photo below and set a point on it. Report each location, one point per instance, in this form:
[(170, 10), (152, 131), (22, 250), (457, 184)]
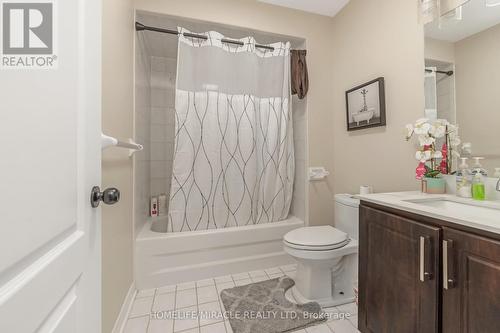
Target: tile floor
[(150, 306)]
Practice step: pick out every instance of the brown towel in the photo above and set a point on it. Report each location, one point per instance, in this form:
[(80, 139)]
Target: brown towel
[(300, 78)]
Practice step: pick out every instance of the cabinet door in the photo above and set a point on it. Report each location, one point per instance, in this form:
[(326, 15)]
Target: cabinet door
[(399, 261), (471, 283)]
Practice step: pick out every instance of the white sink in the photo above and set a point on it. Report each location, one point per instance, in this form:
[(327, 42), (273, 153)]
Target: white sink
[(466, 209)]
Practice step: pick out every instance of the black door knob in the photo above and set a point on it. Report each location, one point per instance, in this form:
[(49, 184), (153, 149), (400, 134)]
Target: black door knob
[(109, 196)]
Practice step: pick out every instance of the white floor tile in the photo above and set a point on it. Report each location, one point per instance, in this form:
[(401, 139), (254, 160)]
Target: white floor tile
[(342, 326), (160, 326), (194, 330), (223, 279), (187, 319), (145, 293), (227, 285), (141, 307), (260, 278), (289, 268), (229, 329), (322, 328), (210, 313), (350, 308), (204, 283), (276, 275), (186, 285), (333, 313), (164, 302), (243, 282), (137, 325), (273, 270), (214, 328), (185, 298), (166, 289), (207, 294), (200, 301), (255, 274), (241, 276), (354, 320)]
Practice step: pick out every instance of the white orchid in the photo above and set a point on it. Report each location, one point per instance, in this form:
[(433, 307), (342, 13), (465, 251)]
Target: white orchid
[(426, 140), (437, 130), (409, 131), (422, 126), (423, 156), (455, 141)]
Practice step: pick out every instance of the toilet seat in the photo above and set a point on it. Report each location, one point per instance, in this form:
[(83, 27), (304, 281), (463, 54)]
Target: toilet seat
[(322, 238)]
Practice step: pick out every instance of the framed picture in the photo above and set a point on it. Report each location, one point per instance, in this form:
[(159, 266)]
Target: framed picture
[(366, 105)]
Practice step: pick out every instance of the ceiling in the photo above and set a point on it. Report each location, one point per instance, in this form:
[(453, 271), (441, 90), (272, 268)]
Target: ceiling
[(476, 17), (321, 7)]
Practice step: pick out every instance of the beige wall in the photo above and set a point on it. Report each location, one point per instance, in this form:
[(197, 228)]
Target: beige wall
[(372, 39), (478, 101), (314, 28), (439, 50), (117, 120)]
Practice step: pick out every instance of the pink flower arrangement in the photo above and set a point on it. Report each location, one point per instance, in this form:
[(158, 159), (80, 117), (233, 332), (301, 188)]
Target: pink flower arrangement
[(433, 162)]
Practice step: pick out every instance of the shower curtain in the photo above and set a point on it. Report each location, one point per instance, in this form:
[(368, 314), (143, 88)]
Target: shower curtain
[(234, 158)]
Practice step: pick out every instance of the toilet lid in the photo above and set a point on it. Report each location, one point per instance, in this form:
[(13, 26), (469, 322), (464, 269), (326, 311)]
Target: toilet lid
[(317, 238)]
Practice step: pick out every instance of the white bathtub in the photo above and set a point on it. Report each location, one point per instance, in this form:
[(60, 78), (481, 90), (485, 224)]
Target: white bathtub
[(168, 258)]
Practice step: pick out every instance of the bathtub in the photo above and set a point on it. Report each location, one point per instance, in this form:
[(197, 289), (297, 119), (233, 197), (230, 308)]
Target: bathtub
[(364, 116), (168, 258)]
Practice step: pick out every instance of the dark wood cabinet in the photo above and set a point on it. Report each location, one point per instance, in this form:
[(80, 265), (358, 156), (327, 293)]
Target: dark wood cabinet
[(399, 287), (418, 274), (471, 294)]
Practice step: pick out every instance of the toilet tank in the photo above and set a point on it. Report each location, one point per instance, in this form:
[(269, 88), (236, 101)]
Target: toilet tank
[(347, 214)]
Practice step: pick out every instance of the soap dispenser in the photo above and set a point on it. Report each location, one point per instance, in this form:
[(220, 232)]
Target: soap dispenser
[(478, 168), (464, 180), (478, 188), (497, 173)]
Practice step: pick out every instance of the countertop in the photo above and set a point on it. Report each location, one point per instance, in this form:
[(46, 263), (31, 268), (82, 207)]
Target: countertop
[(401, 200)]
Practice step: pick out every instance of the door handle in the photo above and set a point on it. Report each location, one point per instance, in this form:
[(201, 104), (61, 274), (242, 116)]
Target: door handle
[(448, 269), (425, 259), (109, 196)]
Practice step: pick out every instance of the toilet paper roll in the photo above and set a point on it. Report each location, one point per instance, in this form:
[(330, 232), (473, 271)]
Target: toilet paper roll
[(365, 189)]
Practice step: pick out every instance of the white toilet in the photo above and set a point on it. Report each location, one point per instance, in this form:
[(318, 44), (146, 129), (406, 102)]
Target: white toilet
[(327, 257)]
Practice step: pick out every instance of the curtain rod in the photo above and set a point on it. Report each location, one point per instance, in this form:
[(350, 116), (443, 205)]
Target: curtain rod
[(142, 27), (449, 73)]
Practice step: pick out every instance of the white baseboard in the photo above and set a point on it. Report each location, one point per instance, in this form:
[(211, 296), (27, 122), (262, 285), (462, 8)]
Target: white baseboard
[(124, 311)]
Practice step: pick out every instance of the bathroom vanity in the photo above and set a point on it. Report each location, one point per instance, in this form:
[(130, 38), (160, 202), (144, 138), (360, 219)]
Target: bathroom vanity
[(428, 264)]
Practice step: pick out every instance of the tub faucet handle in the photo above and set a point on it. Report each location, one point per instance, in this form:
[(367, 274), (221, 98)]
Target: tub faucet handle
[(498, 185)]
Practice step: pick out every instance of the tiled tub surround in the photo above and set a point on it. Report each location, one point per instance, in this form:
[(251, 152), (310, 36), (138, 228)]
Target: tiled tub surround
[(163, 71), (142, 133), (203, 297)]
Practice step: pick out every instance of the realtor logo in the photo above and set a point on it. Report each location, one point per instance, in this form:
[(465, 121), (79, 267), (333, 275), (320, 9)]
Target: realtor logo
[(28, 34)]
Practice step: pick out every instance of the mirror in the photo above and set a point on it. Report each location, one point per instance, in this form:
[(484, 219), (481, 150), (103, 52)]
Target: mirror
[(462, 76)]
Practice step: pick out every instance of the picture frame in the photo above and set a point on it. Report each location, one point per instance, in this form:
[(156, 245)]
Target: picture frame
[(365, 105)]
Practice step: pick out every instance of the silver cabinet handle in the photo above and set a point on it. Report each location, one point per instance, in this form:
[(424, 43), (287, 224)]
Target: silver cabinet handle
[(447, 265), (425, 259)]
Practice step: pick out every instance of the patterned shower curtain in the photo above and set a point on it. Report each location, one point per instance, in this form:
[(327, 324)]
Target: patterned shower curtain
[(234, 157)]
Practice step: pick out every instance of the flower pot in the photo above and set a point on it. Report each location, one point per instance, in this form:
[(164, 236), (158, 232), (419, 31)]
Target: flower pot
[(434, 185)]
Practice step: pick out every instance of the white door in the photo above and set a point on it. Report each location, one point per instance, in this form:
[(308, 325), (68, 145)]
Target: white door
[(50, 158)]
